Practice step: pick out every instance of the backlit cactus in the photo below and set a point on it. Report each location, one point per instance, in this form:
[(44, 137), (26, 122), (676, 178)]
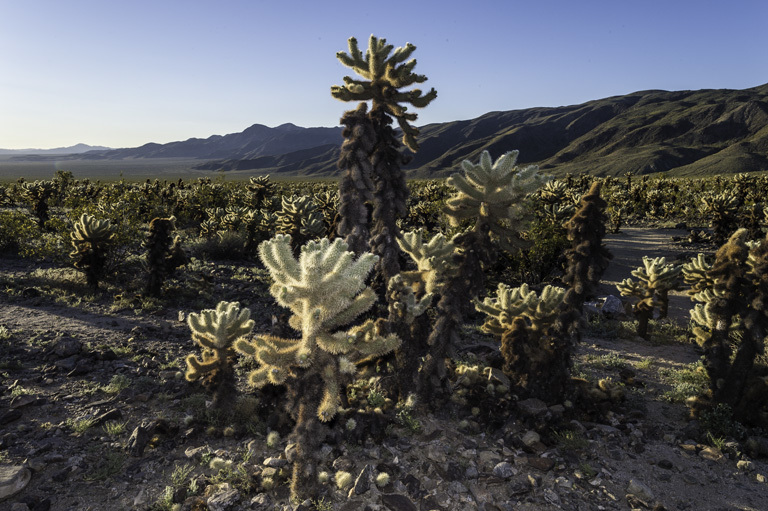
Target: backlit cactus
[(91, 238), (325, 291), (656, 279), (732, 325), (216, 331), (384, 71), (492, 193), (525, 321)]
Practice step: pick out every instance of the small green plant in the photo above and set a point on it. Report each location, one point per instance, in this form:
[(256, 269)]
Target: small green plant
[(114, 428), (587, 470), (118, 383), (322, 504), (646, 363), (689, 382), (570, 440), (109, 464), (79, 426)]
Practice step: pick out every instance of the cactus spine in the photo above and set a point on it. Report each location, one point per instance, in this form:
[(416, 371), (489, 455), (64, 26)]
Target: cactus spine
[(216, 331)]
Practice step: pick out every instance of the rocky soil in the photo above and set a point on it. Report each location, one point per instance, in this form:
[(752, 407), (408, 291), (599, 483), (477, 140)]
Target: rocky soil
[(94, 416)]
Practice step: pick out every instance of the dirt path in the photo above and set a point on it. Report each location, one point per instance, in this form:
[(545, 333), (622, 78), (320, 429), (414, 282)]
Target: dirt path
[(631, 245)]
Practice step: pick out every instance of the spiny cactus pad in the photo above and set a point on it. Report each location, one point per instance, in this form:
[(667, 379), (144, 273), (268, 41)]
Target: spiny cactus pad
[(325, 290), (216, 330)]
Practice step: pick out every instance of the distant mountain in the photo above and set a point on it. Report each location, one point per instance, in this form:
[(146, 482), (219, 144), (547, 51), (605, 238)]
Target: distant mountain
[(686, 132), (75, 149), (700, 132), (254, 142)]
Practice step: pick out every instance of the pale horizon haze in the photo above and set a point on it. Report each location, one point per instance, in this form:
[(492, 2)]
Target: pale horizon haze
[(122, 74)]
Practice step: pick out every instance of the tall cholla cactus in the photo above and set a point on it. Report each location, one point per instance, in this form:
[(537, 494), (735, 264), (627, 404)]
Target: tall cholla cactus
[(164, 254), (525, 321), (91, 239), (384, 72), (325, 290), (492, 193), (734, 312), (216, 331), (356, 185), (656, 279)]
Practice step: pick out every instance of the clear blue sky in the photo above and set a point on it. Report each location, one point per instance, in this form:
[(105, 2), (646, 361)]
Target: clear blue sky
[(123, 73)]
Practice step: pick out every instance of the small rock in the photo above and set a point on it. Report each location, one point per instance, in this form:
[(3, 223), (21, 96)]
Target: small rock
[(543, 464), (551, 497), (261, 501), (138, 441), (665, 464), (711, 453), (471, 472), (275, 462), (363, 481), (531, 438), (760, 478), (745, 465), (19, 506), (396, 502), (223, 500), (25, 400), (343, 463), (66, 347), (504, 470), (534, 480), (196, 452), (532, 407), (13, 479), (640, 490), (67, 364), (612, 307)]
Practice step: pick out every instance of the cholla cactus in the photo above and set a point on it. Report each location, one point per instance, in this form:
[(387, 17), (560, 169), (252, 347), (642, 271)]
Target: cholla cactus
[(655, 279), (721, 210), (91, 239), (525, 322), (734, 312), (325, 290), (356, 186), (216, 331), (492, 193), (37, 194), (259, 188), (696, 275), (164, 254), (433, 259), (300, 219), (383, 73)]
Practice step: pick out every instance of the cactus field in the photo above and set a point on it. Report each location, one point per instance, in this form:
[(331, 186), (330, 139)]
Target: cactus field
[(502, 339)]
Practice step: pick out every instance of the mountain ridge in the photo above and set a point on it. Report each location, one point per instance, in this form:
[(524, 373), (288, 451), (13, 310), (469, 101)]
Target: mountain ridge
[(694, 132)]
